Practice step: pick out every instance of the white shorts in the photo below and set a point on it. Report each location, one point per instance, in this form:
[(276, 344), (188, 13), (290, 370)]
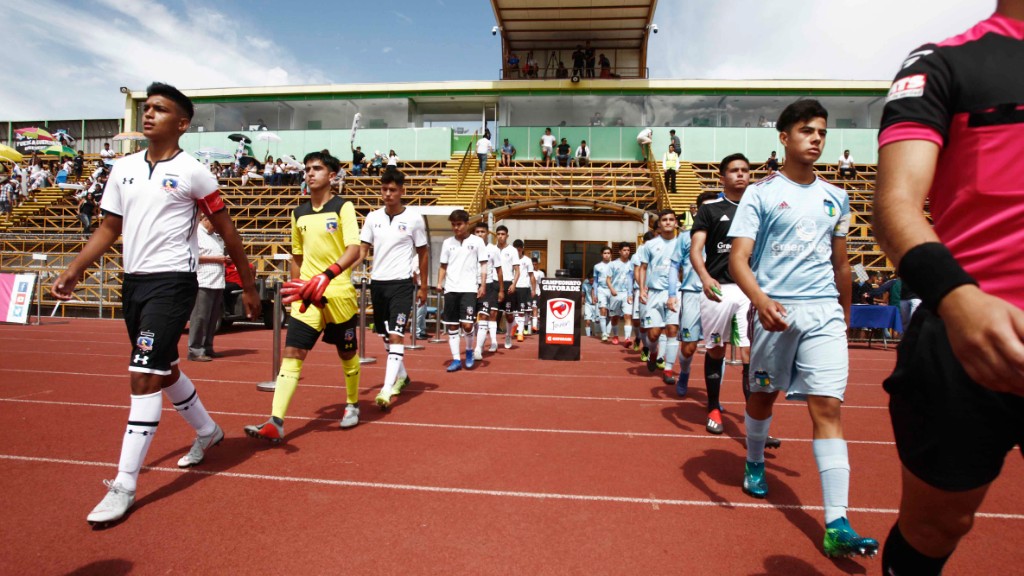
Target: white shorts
[(716, 318), (689, 318), (590, 312), (657, 313), (617, 305), (604, 298), (809, 358)]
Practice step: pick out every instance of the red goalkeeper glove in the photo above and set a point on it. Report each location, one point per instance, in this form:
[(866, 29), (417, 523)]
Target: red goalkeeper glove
[(313, 291), (291, 291)]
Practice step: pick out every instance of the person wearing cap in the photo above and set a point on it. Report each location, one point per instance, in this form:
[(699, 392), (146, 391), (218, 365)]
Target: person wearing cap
[(376, 164)]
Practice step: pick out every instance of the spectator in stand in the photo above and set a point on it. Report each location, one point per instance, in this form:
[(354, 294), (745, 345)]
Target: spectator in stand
[(392, 160), (86, 210), (687, 220), (772, 164), (483, 151), (508, 151), (606, 67), (582, 154), (644, 139), (674, 141), (846, 168), (562, 72), (512, 70), (376, 163), (671, 164), (78, 165), (596, 119), (268, 171), (209, 304), (589, 54), (357, 161), (552, 65), (562, 159), (579, 61), (107, 155), (547, 146), (252, 170), (6, 192), (293, 174), (530, 67)]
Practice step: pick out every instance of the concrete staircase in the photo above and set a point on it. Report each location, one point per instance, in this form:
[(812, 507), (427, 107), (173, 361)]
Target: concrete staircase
[(462, 184)]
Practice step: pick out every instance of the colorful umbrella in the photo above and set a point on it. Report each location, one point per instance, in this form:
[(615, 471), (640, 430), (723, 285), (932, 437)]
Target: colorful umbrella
[(10, 154), (58, 150), (64, 138), (134, 136), (33, 133)]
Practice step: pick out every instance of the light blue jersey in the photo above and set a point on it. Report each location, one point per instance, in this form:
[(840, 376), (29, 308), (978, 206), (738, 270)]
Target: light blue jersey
[(587, 287), (657, 254), (622, 276), (792, 226), (681, 261), (602, 271), (634, 261)]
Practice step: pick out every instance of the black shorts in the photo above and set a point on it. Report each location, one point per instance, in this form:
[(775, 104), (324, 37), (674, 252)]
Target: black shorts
[(511, 302), (490, 300), (392, 305), (523, 299), (303, 336), (950, 432), (156, 308), (459, 307)]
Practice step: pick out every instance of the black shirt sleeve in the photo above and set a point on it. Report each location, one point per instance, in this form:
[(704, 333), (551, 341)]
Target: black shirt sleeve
[(921, 91), (702, 221)]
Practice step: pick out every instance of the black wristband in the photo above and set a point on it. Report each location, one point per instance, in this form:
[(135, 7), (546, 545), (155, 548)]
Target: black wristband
[(332, 271), (932, 271)]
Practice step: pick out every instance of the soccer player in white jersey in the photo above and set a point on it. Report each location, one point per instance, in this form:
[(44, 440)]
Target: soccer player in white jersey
[(538, 275), (488, 306), (620, 283), (462, 278), (789, 257), (509, 267), (151, 200), (602, 273), (525, 284), (396, 234), (661, 312)]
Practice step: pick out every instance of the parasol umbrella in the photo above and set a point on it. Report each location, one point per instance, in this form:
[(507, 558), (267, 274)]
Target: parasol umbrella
[(33, 133), (10, 154), (132, 136), (240, 138), (269, 137), (210, 153), (291, 161), (58, 150), (64, 138)]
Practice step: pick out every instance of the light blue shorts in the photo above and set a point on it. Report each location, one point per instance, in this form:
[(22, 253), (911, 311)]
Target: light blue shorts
[(604, 298), (809, 358), (689, 319), (590, 312), (656, 312), (617, 305)]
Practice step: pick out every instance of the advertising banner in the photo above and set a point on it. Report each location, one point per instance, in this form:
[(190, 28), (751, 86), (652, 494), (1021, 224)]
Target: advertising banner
[(16, 297), (561, 310)]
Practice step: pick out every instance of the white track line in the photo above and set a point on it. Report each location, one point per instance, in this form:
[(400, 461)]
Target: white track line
[(481, 492), (783, 404), (456, 426)]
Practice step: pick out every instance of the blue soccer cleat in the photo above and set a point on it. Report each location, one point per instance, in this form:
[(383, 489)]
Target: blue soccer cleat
[(469, 359), (754, 483), (455, 366), (841, 540)]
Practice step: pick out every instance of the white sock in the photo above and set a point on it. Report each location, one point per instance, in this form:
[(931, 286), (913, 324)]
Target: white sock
[(604, 326), (521, 324), (661, 345), (492, 325), (396, 353), (757, 434), (470, 340), (143, 418), (587, 329), (186, 401), (533, 323), (481, 328), (453, 344), (671, 351), (834, 467), (627, 330)]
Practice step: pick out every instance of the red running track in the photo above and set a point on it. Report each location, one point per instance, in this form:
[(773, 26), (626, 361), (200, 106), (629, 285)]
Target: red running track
[(516, 467)]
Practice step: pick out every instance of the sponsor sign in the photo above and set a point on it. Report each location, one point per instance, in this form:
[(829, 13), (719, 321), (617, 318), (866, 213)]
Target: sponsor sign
[(561, 305), (16, 297)]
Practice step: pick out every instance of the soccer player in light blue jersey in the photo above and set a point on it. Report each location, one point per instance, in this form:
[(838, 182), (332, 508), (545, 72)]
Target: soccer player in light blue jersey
[(662, 306), (602, 273), (640, 344), (688, 293), (620, 282), (789, 257)]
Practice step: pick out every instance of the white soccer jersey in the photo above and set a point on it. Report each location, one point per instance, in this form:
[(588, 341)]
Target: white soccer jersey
[(159, 207), (525, 268), (393, 238), (493, 262), (463, 261), (210, 275), (509, 260), (538, 275)]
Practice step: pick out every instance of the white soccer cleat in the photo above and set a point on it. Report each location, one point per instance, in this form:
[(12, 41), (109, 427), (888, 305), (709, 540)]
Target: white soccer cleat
[(114, 505), (200, 446)]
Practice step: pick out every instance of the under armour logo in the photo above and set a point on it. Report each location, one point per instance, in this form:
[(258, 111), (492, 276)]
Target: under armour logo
[(127, 180), (140, 359)]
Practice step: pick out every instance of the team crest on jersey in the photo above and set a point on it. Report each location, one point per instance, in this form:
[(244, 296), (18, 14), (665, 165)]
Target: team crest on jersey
[(169, 185), (332, 225), (830, 208), (402, 227), (400, 319), (145, 342), (762, 378)]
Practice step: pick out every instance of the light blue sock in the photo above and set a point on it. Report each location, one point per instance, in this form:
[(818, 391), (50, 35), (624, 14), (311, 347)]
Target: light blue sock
[(834, 467), (757, 434)]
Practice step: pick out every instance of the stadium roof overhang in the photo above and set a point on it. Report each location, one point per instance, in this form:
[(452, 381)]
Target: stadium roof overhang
[(542, 25)]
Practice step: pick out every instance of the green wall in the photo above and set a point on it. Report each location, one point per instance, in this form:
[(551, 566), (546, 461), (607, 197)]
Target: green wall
[(408, 143), (699, 144)]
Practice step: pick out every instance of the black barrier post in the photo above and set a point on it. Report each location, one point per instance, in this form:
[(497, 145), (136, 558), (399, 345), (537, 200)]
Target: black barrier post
[(561, 316), (271, 385)]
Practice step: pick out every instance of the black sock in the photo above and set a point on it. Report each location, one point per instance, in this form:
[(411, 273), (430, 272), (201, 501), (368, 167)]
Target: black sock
[(899, 558), (746, 381), (713, 380)]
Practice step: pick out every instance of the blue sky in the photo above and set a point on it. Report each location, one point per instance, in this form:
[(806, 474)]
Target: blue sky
[(75, 55)]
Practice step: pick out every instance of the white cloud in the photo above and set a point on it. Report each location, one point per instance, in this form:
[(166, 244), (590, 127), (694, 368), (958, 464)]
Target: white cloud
[(386, 49), (800, 39), (81, 55), (402, 16)]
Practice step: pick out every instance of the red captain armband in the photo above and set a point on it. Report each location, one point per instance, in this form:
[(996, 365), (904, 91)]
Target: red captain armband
[(211, 204)]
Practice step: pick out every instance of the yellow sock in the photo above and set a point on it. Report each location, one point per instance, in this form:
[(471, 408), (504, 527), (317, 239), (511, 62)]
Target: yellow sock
[(351, 368), (287, 382)]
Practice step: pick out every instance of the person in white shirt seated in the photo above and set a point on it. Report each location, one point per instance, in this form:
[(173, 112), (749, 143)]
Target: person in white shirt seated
[(582, 157), (846, 167)]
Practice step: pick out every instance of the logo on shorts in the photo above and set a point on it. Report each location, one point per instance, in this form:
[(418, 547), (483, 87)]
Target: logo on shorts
[(716, 338), (145, 342), (350, 334), (469, 311), (332, 225), (830, 208), (686, 333), (400, 320), (762, 378), (140, 359), (169, 185)]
